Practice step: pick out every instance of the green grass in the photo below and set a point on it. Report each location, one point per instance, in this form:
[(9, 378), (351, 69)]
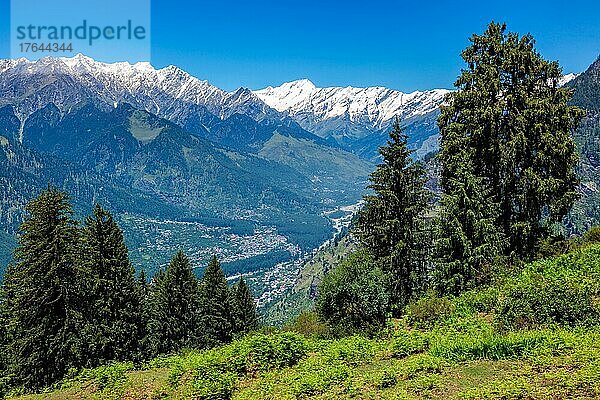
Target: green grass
[(469, 347), (452, 365)]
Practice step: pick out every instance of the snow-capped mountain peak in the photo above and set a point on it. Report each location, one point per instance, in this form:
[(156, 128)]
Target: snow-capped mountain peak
[(168, 92), (566, 79), (352, 111)]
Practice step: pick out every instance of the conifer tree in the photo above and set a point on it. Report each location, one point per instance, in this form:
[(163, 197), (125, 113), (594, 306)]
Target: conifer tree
[(44, 294), (216, 321), (115, 304), (468, 240), (513, 117), (173, 308), (4, 341), (245, 318), (144, 290), (391, 225)]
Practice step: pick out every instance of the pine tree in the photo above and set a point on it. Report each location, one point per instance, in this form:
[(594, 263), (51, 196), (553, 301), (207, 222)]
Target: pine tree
[(44, 294), (115, 304), (391, 225), (215, 306), (4, 341), (513, 118), (173, 308), (244, 314), (468, 240), (144, 318)]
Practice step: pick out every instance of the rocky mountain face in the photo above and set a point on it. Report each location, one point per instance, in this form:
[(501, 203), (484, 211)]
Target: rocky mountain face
[(358, 118), (586, 86)]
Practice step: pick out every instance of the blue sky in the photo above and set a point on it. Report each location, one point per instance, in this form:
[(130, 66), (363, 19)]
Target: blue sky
[(402, 45)]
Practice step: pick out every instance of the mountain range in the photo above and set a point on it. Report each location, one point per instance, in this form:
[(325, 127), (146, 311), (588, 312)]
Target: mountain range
[(260, 178), (358, 119)]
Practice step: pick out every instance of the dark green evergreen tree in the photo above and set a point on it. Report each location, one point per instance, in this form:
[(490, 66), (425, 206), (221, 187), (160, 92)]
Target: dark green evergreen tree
[(144, 290), (4, 342), (468, 240), (245, 318), (173, 308), (392, 225), (514, 120), (216, 321), (44, 298), (114, 295)]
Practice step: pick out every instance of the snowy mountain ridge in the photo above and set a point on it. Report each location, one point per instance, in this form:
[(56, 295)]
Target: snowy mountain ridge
[(167, 92), (357, 119), (372, 108)]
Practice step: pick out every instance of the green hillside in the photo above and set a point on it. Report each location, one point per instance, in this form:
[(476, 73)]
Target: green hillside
[(302, 296), (533, 334)]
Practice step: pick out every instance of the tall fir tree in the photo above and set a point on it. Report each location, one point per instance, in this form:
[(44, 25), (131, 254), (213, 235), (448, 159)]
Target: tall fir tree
[(44, 298), (244, 316), (216, 319), (115, 305), (4, 341), (468, 240), (173, 308), (513, 117), (144, 290), (392, 224)]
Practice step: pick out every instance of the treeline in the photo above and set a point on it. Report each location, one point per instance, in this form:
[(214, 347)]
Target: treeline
[(71, 299), (507, 176)]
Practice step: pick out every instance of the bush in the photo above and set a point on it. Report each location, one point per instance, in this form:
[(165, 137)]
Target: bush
[(214, 372), (352, 298), (266, 352), (310, 325), (556, 291), (106, 377), (428, 311), (484, 300), (317, 374), (386, 379), (211, 384), (405, 343), (540, 301), (592, 235), (351, 350)]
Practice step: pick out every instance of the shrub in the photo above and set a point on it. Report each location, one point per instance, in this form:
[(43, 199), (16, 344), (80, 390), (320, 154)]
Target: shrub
[(109, 376), (556, 291), (428, 311), (211, 384), (405, 343), (352, 297), (214, 372), (538, 300), (351, 350), (592, 235), (484, 300), (386, 379), (554, 246), (309, 324), (317, 374), (266, 352)]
